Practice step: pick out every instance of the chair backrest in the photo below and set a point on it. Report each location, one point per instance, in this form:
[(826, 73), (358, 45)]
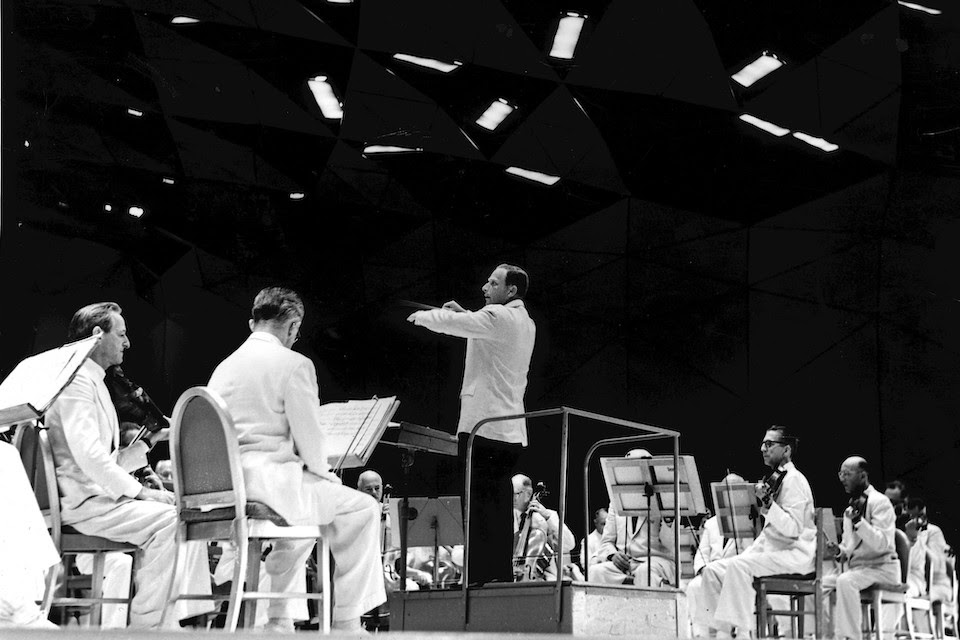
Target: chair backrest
[(205, 453), (902, 543), (46, 489), (820, 514)]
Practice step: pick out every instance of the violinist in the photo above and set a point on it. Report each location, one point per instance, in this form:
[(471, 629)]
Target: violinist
[(624, 554), (99, 497), (930, 537), (786, 544), (867, 550), (527, 509)]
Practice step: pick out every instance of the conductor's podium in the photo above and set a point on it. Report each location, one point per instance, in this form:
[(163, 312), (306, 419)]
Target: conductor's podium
[(585, 609)]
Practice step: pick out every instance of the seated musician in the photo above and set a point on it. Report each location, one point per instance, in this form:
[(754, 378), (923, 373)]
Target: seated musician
[(591, 543), (786, 544), (713, 546), (867, 550), (99, 496), (541, 519), (623, 554), (272, 395), (930, 538), (897, 491)]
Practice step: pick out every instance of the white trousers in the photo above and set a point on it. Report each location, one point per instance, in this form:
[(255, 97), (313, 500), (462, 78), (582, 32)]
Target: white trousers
[(354, 538), (661, 572), (152, 526), (727, 598), (846, 614)]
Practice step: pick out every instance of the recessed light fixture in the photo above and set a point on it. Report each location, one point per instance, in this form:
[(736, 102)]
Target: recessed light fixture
[(26, 143), (496, 113), (769, 127), (767, 63), (430, 63), (536, 176), (135, 211), (167, 180), (567, 36), (375, 149), (814, 141), (919, 7), (322, 90), (108, 207), (183, 20), (297, 195), (135, 113)]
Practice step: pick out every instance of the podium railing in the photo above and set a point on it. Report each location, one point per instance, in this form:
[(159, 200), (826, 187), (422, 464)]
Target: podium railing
[(650, 433)]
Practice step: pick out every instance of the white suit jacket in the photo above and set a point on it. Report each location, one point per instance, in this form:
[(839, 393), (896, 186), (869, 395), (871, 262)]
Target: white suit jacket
[(712, 546), (622, 534), (789, 524), (871, 540), (84, 435), (272, 395), (500, 341)]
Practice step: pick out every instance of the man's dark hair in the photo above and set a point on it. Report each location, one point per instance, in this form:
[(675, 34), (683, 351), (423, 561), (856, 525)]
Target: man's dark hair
[(516, 276), (277, 304), (899, 486), (787, 437), (99, 314), (915, 502)]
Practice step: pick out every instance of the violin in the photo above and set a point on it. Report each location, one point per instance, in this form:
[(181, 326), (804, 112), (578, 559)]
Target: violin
[(771, 485), (856, 507), (133, 404), (532, 551)]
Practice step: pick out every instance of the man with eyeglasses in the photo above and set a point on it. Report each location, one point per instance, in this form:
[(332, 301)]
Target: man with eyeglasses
[(786, 544), (271, 393), (867, 548)]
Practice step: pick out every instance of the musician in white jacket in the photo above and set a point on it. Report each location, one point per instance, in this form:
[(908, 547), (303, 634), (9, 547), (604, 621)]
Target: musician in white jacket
[(271, 393)]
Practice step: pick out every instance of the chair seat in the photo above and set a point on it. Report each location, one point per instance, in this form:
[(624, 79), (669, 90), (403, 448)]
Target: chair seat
[(790, 582), (891, 587), (72, 541), (255, 510)]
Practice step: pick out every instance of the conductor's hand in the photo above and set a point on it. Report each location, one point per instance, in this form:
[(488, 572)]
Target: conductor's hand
[(155, 496), (621, 561), (453, 305), (412, 317)]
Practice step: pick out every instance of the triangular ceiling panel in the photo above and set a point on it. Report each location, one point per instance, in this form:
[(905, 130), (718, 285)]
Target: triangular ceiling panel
[(721, 256), (774, 252), (846, 93), (791, 100), (850, 210), (872, 48), (663, 50), (559, 139), (602, 232), (874, 133), (294, 19), (654, 225)]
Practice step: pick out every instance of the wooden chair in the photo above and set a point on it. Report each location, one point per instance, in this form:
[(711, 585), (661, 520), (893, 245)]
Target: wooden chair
[(872, 598), (797, 587), (37, 457), (212, 504)]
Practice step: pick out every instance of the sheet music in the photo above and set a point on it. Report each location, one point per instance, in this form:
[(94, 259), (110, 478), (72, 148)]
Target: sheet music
[(36, 382), (353, 428)]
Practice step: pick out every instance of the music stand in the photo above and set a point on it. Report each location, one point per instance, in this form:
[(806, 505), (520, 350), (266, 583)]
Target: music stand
[(736, 506), (431, 522), (633, 482), (34, 384)]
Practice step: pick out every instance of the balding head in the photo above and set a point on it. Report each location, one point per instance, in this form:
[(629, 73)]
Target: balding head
[(639, 453), (853, 475), (371, 484), (730, 478), (522, 491)]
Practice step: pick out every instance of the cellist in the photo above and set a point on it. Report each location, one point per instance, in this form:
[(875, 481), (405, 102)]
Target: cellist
[(534, 524)]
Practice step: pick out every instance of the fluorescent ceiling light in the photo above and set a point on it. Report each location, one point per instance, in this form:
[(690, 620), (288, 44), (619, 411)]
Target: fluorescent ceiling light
[(568, 33), (168, 181), (322, 91), (765, 64), (919, 7), (498, 110), (26, 143), (297, 195), (108, 207), (430, 63), (386, 148), (819, 143), (536, 176), (135, 113), (135, 211), (183, 20), (340, 1), (769, 127)]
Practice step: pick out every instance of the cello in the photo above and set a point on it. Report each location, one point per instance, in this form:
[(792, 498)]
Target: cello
[(532, 552)]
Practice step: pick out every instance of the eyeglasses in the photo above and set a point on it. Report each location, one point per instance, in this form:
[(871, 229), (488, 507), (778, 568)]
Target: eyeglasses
[(843, 475), (766, 444)]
